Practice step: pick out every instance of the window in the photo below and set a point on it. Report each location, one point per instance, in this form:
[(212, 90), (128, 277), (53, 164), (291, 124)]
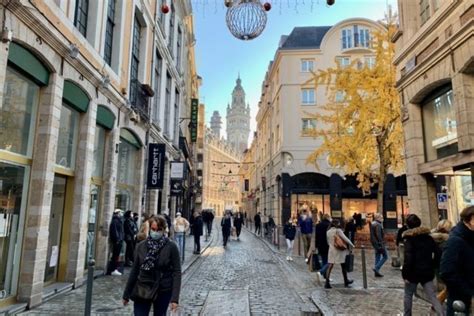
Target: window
[(67, 138), (176, 114), (80, 17), (156, 100), (436, 5), (339, 97), (167, 106), (308, 125), (424, 11), (135, 61), (307, 65), (178, 49), (307, 96), (343, 62), (440, 126), (171, 30), (369, 61), (355, 36), (126, 169), (17, 113), (109, 31), (99, 152)]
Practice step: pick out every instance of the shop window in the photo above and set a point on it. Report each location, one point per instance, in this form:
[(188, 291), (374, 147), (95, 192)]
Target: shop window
[(67, 137), (99, 152), (17, 113), (126, 170), (440, 126)]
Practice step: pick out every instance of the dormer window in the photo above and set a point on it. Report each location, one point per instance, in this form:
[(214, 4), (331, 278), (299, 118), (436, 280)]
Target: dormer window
[(355, 36)]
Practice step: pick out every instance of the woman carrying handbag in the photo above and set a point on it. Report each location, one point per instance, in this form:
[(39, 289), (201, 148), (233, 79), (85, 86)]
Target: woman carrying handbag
[(339, 247), (155, 278)]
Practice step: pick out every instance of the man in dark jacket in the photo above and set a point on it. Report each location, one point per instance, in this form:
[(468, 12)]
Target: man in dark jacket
[(321, 242), (457, 262), (306, 228), (197, 232), (238, 222), (116, 236), (378, 242), (421, 257), (226, 224), (130, 230), (258, 223)]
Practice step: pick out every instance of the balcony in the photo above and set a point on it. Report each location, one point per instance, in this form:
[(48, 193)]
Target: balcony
[(139, 97)]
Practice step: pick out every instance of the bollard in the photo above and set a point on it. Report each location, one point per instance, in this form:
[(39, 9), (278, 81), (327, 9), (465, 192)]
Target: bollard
[(364, 267), (90, 282)]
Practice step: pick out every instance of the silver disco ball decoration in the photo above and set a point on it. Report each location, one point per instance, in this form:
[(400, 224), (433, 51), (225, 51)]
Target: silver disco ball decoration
[(246, 19)]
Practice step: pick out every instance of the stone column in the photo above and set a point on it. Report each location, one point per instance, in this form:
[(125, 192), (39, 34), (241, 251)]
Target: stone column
[(463, 100), (139, 178), (107, 197), (81, 200), (35, 242), (152, 201), (166, 187)]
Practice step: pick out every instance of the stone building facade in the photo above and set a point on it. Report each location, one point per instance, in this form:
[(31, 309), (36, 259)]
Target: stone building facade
[(87, 85), (435, 78)]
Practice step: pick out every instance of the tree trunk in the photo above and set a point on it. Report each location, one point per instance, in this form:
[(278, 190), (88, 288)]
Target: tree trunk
[(382, 176)]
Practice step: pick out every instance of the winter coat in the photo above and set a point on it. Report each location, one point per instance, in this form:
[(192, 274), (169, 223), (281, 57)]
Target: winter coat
[(457, 262), (335, 255), (258, 220), (226, 224), (130, 229), (197, 226), (321, 237), (116, 233), (238, 221), (289, 231), (168, 265), (377, 235), (421, 255), (306, 225), (181, 225)]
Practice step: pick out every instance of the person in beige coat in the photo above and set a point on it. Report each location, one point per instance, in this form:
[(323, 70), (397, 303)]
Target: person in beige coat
[(335, 255)]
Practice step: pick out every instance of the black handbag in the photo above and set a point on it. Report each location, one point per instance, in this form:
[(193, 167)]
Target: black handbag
[(349, 262), (146, 287), (316, 264)]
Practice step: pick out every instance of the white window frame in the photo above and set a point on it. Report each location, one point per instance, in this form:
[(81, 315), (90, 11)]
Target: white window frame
[(308, 96), (308, 125), (355, 36), (343, 61), (369, 61), (307, 65)]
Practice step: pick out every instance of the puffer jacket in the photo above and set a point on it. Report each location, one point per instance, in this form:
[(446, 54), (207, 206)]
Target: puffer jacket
[(168, 266), (457, 262), (421, 255), (289, 231)]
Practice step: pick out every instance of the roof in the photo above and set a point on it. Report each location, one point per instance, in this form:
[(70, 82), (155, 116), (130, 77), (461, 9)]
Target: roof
[(304, 37)]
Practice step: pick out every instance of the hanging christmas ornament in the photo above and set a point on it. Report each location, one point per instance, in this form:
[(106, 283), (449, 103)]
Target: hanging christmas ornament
[(228, 3), (165, 8), (330, 2), (246, 19), (267, 6)]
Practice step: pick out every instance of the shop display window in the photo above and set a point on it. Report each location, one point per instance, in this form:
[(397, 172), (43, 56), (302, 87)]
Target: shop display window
[(67, 138)]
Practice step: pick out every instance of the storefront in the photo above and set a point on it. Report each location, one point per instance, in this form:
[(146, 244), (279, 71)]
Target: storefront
[(18, 113)]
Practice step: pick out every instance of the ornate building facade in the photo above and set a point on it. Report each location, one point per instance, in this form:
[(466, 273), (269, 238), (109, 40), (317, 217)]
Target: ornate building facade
[(238, 119)]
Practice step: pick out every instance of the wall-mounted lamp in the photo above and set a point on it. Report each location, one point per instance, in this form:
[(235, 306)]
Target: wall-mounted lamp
[(105, 81), (73, 51)]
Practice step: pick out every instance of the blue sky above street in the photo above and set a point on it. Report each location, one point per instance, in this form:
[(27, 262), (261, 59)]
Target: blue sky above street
[(220, 56)]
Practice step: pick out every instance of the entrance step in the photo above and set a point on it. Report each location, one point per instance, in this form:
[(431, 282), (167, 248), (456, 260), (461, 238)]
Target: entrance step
[(13, 309), (55, 289)]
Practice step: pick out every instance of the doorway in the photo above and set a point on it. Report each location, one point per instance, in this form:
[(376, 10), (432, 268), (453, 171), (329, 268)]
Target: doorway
[(55, 228)]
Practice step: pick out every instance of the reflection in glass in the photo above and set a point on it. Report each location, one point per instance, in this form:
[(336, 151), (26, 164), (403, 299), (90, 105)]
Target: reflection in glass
[(99, 152), (67, 138), (17, 113), (91, 223), (126, 163)]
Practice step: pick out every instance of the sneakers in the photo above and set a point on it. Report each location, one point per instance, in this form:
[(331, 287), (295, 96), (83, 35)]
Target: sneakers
[(287, 258), (306, 260), (291, 258), (116, 272), (318, 278)]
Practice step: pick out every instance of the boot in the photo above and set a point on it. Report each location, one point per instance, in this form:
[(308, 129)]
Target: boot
[(347, 282), (327, 285)]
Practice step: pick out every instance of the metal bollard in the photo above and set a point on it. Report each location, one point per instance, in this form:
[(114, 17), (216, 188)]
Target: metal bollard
[(90, 282), (364, 267)]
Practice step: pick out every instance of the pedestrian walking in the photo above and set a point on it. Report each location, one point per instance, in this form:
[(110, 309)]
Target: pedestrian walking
[(378, 242), (350, 229), (197, 232), (181, 226), (290, 232), (238, 222), (306, 227), (226, 224), (116, 236), (210, 220), (421, 256), (258, 224), (155, 278), (245, 219), (322, 245), (144, 228), (440, 235), (130, 231), (339, 247), (456, 269)]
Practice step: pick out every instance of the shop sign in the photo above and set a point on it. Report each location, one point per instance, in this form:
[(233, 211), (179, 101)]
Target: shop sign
[(176, 187), (156, 165), (193, 126), (177, 170), (336, 214), (442, 199), (391, 215)]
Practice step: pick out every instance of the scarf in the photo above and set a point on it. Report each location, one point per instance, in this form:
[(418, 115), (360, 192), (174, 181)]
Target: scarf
[(153, 249)]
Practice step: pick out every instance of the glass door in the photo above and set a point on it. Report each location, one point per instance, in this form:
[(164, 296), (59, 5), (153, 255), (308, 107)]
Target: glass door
[(91, 223), (55, 228)]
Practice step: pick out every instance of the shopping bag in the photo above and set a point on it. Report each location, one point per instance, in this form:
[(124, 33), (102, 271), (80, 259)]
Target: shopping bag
[(349, 262)]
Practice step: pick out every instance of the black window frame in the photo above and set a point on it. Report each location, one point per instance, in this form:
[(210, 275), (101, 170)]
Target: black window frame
[(135, 60), (81, 16), (157, 84), (166, 121), (109, 31)]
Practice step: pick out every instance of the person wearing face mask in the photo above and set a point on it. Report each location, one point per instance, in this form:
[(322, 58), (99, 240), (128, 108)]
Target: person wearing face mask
[(155, 278), (457, 262)]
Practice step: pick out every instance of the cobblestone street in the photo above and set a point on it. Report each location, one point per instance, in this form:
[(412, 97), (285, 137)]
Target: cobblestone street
[(252, 277)]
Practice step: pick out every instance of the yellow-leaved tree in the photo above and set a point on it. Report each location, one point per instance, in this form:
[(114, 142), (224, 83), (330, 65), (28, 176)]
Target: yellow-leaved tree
[(361, 127)]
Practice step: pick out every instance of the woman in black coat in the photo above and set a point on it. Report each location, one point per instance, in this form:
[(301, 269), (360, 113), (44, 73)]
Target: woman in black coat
[(197, 232), (238, 222), (226, 224), (155, 278), (130, 230), (290, 232)]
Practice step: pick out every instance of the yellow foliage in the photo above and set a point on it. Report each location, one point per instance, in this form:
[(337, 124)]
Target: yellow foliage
[(363, 134)]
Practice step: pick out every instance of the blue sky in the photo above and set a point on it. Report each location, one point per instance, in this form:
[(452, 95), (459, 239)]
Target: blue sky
[(220, 56)]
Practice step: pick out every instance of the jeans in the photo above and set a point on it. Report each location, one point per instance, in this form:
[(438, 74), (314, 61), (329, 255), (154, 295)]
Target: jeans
[(306, 243), (258, 228), (179, 238), (380, 259), (116, 248), (429, 288), (160, 306), (289, 245), (452, 298), (209, 228), (324, 266)]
